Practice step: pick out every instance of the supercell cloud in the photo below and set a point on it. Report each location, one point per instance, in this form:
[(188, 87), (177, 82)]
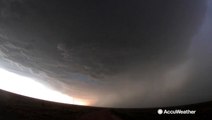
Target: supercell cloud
[(116, 53)]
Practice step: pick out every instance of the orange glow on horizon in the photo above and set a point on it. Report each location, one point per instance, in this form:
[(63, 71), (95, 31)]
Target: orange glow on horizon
[(26, 86)]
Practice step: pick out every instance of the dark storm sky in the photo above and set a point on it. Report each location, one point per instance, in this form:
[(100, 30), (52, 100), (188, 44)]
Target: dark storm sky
[(141, 53)]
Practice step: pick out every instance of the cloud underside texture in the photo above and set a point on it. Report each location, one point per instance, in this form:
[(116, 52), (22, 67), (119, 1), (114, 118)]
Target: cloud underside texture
[(123, 54)]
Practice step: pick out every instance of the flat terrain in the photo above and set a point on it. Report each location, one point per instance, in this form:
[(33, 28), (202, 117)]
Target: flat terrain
[(16, 107)]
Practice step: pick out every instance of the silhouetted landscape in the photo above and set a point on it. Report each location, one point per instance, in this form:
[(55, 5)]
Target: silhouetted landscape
[(121, 59), (16, 107)]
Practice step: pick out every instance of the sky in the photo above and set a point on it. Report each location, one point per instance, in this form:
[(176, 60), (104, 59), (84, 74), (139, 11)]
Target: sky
[(112, 53)]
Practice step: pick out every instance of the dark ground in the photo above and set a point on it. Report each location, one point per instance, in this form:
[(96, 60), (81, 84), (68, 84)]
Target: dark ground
[(16, 107)]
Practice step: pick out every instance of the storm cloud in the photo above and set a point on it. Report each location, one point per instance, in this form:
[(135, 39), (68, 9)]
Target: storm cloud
[(118, 53)]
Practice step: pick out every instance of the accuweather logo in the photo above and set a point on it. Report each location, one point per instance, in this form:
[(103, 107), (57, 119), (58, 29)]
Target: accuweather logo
[(178, 111)]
